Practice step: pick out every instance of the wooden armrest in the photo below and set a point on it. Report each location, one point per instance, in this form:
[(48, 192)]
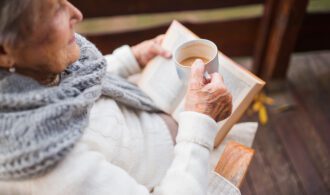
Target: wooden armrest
[(234, 162)]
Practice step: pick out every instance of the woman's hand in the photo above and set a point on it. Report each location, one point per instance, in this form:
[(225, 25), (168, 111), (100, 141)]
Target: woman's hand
[(149, 49), (208, 97)]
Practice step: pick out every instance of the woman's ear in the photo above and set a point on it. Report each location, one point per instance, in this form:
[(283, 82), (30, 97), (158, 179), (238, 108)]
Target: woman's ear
[(6, 61)]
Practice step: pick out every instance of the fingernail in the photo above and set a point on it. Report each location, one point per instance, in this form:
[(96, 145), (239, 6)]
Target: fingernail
[(168, 54), (199, 62), (207, 76)]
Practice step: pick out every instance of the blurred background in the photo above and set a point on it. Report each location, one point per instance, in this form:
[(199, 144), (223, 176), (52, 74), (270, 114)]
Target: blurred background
[(285, 42)]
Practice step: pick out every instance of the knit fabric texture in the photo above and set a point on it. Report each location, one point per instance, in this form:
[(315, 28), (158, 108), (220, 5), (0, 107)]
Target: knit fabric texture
[(40, 125)]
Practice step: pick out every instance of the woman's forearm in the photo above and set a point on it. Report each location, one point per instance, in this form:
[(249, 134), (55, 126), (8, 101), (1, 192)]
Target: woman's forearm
[(188, 173)]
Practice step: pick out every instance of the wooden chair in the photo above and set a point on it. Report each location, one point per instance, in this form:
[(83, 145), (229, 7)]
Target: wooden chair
[(234, 162)]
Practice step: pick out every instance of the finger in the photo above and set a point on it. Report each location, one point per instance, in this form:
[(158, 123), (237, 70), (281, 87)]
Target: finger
[(197, 73), (216, 88), (159, 39), (217, 81), (159, 50), (217, 77), (147, 57), (225, 111), (207, 77)]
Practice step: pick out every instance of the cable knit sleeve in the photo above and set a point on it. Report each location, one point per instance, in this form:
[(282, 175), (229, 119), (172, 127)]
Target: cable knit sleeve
[(122, 62), (188, 173), (86, 171)]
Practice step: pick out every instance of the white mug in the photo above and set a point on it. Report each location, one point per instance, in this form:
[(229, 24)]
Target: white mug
[(198, 48)]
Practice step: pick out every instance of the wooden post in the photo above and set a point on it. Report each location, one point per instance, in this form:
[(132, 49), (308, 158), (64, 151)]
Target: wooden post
[(277, 37)]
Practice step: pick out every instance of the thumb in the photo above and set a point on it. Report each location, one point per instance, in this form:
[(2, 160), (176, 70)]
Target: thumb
[(197, 71)]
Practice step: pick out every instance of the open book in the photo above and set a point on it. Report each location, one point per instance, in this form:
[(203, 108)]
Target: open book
[(160, 81)]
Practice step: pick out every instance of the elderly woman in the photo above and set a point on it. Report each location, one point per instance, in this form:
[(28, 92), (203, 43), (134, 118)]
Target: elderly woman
[(70, 123)]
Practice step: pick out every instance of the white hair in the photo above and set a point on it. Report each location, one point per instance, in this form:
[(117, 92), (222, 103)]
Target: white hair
[(13, 14)]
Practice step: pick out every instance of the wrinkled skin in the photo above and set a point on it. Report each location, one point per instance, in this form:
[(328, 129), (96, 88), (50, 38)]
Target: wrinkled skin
[(208, 97), (50, 47)]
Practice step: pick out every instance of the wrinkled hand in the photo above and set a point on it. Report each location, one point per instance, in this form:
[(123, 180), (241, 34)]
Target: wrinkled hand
[(207, 97), (149, 49)]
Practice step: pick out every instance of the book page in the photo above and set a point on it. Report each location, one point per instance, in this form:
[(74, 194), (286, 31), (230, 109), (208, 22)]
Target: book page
[(162, 84), (236, 84), (243, 86), (238, 88), (159, 80)]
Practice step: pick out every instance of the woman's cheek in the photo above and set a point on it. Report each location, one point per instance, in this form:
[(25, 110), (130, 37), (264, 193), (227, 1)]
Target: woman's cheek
[(75, 53)]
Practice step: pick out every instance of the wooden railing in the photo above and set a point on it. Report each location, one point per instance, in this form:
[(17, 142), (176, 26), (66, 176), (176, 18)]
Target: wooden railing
[(102, 8), (270, 39)]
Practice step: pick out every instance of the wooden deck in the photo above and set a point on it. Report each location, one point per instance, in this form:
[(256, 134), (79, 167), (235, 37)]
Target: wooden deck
[(292, 150)]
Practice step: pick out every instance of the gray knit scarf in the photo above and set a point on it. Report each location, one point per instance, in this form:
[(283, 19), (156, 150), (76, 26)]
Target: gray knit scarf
[(39, 125)]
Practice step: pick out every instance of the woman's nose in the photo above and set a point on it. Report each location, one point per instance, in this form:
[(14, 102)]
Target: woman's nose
[(77, 16)]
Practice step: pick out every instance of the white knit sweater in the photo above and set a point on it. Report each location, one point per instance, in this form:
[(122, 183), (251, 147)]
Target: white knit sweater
[(127, 152)]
